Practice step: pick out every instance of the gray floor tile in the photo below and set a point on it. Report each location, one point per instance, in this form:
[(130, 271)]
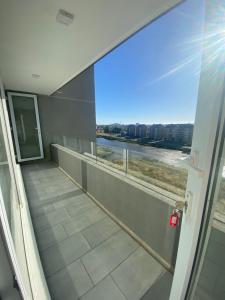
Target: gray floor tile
[(160, 290), (100, 231), (51, 236), (107, 256), (137, 274), (79, 208), (60, 209), (62, 254), (84, 220), (105, 290), (70, 283), (69, 201), (50, 219), (42, 210)]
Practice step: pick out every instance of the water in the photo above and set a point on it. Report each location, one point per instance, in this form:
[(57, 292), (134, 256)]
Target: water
[(168, 156)]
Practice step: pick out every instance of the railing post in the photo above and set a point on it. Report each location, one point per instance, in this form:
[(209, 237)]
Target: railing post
[(92, 148), (125, 160)]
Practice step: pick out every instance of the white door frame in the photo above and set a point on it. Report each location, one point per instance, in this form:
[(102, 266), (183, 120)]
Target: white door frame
[(3, 215), (208, 114), (20, 159)]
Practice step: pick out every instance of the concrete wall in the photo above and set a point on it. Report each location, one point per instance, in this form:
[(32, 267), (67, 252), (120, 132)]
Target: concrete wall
[(69, 114), (141, 211)]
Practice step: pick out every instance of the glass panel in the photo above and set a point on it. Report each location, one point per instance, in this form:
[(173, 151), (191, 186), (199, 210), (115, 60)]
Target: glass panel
[(5, 179), (146, 95), (160, 168), (111, 156), (220, 206), (10, 198), (210, 284), (26, 124)]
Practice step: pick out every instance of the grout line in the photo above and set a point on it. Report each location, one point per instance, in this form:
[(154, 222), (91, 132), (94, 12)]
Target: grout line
[(131, 233), (65, 266), (118, 287), (55, 242), (112, 234), (89, 275), (81, 232), (108, 274), (125, 259)]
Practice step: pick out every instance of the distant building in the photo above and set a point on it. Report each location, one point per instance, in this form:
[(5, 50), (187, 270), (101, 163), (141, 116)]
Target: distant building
[(131, 130), (179, 133), (156, 132), (187, 134), (99, 129), (141, 131)]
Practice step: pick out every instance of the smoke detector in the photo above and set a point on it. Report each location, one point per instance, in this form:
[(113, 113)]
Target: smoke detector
[(64, 17)]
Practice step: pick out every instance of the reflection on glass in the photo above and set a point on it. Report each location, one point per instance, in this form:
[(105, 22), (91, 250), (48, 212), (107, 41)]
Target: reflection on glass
[(5, 179), (157, 172), (211, 281), (26, 124), (112, 156), (220, 207)]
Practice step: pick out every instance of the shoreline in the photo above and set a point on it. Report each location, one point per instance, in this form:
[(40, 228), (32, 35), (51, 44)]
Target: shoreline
[(155, 144)]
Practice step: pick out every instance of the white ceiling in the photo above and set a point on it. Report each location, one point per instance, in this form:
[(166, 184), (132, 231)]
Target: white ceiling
[(32, 42)]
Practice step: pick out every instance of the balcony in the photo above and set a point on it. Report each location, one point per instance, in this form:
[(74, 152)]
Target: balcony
[(85, 253), (137, 219)]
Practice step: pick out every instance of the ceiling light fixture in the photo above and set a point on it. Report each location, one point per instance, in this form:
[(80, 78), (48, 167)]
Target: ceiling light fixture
[(64, 17)]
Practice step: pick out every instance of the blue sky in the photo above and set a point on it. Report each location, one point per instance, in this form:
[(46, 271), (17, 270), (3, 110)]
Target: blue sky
[(153, 76)]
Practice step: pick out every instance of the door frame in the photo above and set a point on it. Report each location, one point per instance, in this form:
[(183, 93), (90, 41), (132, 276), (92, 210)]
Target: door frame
[(206, 132), (3, 216), (11, 108)]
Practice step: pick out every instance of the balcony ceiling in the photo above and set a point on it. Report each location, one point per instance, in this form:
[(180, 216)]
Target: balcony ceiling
[(32, 42)]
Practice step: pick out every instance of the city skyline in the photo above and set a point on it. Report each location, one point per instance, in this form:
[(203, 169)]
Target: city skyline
[(153, 77), (163, 135)]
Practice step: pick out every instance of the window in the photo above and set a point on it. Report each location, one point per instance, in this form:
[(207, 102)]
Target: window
[(146, 93)]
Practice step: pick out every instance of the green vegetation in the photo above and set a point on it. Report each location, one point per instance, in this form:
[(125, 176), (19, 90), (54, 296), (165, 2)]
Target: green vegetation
[(103, 152), (168, 177)]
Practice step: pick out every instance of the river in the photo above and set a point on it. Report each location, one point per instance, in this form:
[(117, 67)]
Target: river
[(166, 155)]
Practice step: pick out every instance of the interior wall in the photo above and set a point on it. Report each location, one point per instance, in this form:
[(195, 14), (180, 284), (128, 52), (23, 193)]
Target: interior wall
[(69, 113)]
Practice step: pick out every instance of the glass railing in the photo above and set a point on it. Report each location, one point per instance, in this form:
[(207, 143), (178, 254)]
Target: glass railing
[(155, 167), (168, 176), (112, 156)]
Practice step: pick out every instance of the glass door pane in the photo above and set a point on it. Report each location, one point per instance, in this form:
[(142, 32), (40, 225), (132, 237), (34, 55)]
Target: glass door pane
[(211, 281), (25, 126), (5, 178)]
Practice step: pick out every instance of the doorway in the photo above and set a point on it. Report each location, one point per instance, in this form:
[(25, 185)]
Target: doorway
[(26, 126)]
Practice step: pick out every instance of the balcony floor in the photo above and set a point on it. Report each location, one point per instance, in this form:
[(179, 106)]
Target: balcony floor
[(86, 255)]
